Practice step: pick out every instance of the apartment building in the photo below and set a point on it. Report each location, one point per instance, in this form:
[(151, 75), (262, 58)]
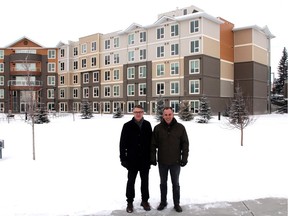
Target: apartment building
[(184, 55)]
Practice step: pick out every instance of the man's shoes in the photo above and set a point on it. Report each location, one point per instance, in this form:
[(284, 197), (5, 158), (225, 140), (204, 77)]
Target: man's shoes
[(161, 206), (178, 208), (146, 206), (129, 208)]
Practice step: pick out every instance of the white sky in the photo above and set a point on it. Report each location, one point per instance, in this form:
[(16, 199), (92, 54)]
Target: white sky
[(77, 169), (54, 21)]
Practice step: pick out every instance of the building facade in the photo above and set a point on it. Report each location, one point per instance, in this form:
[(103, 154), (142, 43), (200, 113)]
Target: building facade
[(184, 55)]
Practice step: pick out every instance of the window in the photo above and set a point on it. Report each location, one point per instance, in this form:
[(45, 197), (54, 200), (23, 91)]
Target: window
[(107, 44), (160, 69), (107, 60), (93, 46), (174, 49), (160, 51), (116, 42), (62, 53), (75, 93), (130, 106), (142, 71), (95, 92), (107, 91), (62, 80), (175, 105), (131, 56), (93, 61), (142, 54), (116, 74), (1, 80), (50, 93), (107, 75), (51, 54), (130, 90), (116, 90), (1, 67), (131, 39), (142, 89), (75, 79), (174, 68), (95, 76), (84, 63), (1, 54), (160, 88), (85, 92), (1, 93), (194, 66), (160, 33), (174, 88), (194, 26), (194, 86), (51, 80), (62, 66), (62, 93), (75, 65), (116, 58), (75, 51), (142, 37), (194, 46), (85, 77), (83, 48), (51, 67), (130, 73), (106, 107), (174, 30), (194, 106)]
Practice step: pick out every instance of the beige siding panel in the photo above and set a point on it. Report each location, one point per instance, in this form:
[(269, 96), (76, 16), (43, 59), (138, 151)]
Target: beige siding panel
[(260, 56), (243, 54), (211, 47), (211, 29), (227, 70), (243, 37)]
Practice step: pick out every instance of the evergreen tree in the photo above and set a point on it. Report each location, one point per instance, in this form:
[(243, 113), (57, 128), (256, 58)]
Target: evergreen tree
[(238, 112), (86, 110), (282, 71), (185, 113), (204, 111), (159, 108), (118, 113), (41, 115)]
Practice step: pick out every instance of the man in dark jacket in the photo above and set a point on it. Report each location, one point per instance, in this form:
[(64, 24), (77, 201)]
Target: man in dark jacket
[(170, 143), (135, 143)]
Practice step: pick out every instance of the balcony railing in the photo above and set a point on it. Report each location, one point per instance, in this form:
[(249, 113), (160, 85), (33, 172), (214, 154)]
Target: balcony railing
[(35, 85), (16, 71)]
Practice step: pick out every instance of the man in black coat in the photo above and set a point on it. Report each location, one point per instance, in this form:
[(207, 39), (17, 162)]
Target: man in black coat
[(135, 142)]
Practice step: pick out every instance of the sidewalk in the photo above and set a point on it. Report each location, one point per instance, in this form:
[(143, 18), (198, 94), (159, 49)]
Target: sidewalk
[(259, 207)]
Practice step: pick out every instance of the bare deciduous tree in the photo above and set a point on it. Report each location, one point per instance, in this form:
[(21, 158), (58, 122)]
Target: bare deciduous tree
[(238, 115)]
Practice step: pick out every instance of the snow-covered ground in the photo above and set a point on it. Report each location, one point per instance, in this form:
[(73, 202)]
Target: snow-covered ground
[(77, 169)]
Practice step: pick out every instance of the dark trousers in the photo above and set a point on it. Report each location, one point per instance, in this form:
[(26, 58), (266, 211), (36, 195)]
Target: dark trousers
[(174, 173), (130, 189)]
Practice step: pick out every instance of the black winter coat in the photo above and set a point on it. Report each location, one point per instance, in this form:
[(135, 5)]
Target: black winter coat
[(135, 143)]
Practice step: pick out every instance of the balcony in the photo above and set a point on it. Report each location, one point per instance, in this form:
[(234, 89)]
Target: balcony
[(25, 85), (16, 72)]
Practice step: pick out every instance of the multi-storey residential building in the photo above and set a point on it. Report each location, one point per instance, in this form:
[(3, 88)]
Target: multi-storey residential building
[(184, 55)]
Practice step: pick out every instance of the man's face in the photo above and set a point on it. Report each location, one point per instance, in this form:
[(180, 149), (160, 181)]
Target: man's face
[(168, 115), (138, 114)]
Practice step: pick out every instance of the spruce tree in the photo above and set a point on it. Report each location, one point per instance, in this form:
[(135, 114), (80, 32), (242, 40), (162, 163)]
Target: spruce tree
[(204, 111), (185, 113), (282, 71), (159, 108), (118, 113), (86, 110)]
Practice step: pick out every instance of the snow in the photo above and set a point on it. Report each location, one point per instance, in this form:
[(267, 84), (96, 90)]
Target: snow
[(77, 169)]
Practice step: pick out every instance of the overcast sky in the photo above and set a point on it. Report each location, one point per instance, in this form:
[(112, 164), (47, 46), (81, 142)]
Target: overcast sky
[(48, 22)]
